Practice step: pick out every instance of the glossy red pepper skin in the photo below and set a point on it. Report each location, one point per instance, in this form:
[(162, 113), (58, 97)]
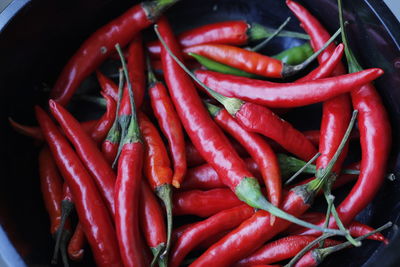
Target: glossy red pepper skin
[(151, 218), (251, 234), (136, 66), (204, 203), (204, 177), (36, 133), (308, 260), (127, 194), (88, 152), (109, 150), (198, 232), (227, 32), (51, 185), (76, 244), (107, 85), (104, 124), (249, 61), (89, 204), (157, 166), (171, 127), (259, 150), (285, 95), (203, 132), (336, 111), (255, 117), (101, 44), (281, 249)]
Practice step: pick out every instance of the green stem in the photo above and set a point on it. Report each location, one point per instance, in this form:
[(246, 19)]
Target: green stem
[(272, 36), (213, 109), (157, 251), (302, 169), (66, 209), (151, 77), (330, 200), (164, 192), (258, 32)]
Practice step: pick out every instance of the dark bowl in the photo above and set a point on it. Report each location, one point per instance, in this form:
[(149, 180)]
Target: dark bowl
[(37, 38)]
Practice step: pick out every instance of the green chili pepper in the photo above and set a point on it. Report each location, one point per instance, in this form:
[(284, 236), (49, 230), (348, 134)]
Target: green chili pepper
[(295, 55)]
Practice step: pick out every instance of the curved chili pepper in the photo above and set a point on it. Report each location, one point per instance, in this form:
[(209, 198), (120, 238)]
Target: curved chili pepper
[(198, 232), (104, 124), (204, 133), (281, 249), (101, 44), (170, 125), (295, 55), (258, 149), (204, 203), (152, 221), (36, 133), (88, 152), (107, 85), (285, 95), (228, 32), (76, 244), (88, 202), (127, 186), (157, 168)]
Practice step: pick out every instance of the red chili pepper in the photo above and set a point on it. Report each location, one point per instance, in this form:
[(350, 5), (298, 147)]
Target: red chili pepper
[(204, 177), (76, 244), (170, 125), (127, 186), (107, 85), (204, 203), (198, 232), (104, 124), (101, 44), (157, 169), (88, 202), (36, 133), (88, 152), (281, 249), (152, 221), (285, 95), (258, 149), (204, 133)]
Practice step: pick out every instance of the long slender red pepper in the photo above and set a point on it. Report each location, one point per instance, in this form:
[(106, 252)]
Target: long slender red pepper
[(101, 44), (104, 124), (204, 203), (107, 85), (170, 125), (88, 202), (237, 32), (281, 249), (76, 244), (157, 169), (285, 95), (198, 232), (88, 152), (127, 186), (152, 221), (258, 149)]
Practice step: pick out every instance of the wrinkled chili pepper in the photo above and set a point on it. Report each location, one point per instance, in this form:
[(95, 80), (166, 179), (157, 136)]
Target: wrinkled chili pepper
[(285, 95), (152, 222), (281, 249), (157, 169), (198, 232), (88, 152), (258, 149), (88, 202), (170, 125), (204, 203), (228, 32), (127, 186), (76, 244), (101, 44)]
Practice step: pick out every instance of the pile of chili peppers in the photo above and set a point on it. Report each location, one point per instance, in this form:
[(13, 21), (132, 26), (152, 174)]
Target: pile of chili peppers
[(210, 144)]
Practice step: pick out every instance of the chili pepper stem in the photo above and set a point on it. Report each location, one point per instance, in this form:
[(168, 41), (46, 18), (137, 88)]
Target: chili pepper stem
[(257, 32), (164, 192), (329, 199), (157, 251), (155, 8), (290, 165), (275, 33), (301, 170), (290, 70), (248, 190), (66, 209), (63, 247)]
